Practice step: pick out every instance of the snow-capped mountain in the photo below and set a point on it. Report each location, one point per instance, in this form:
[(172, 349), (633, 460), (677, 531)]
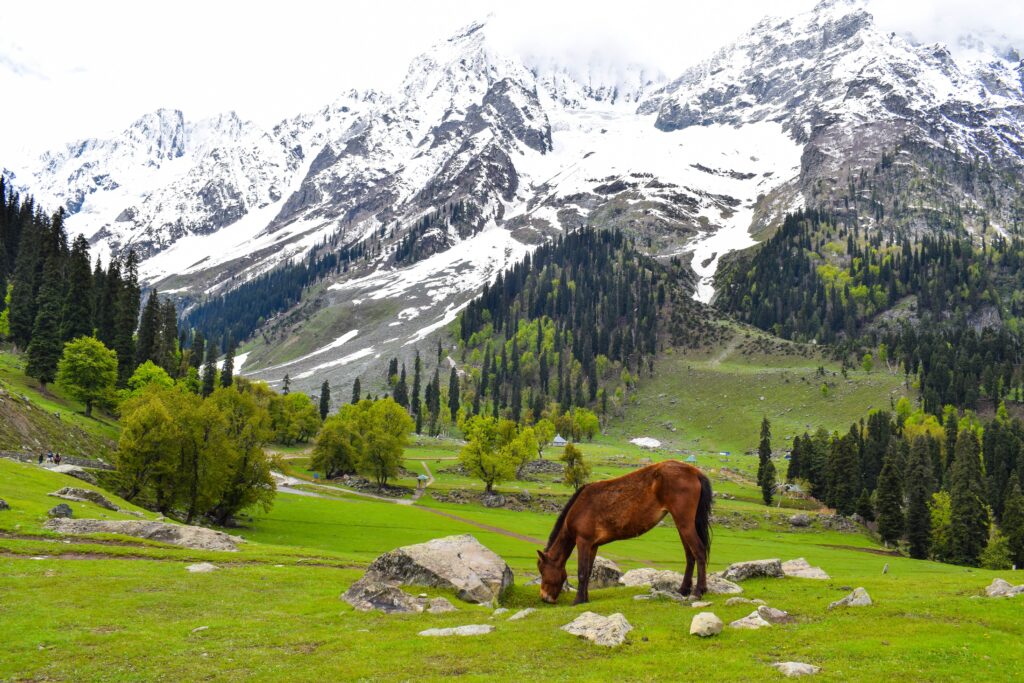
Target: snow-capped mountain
[(481, 153)]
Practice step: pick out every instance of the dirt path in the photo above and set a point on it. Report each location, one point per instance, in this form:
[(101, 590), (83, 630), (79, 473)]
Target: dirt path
[(430, 480), (485, 527), (726, 352)]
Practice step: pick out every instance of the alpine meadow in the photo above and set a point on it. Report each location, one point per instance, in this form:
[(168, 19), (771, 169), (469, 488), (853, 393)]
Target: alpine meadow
[(602, 344)]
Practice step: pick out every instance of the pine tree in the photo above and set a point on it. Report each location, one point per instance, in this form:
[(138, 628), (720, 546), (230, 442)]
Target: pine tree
[(286, 385), (168, 347), (22, 314), (864, 507), (198, 351), (402, 390), (453, 393), (844, 474), (227, 373), (919, 493), (1013, 520), (126, 316), (77, 315), (356, 391), (149, 331), (765, 466), (210, 371), (434, 399), (969, 518), (44, 350), (414, 404), (325, 399), (889, 504), (795, 460)]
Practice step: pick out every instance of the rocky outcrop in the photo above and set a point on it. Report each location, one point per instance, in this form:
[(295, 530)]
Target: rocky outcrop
[(80, 495), (468, 630), (800, 520), (606, 631), (195, 537), (368, 594), (61, 511), (458, 563), (605, 573), (755, 569), (1000, 588), (646, 576), (705, 624), (801, 569), (76, 472), (858, 598)]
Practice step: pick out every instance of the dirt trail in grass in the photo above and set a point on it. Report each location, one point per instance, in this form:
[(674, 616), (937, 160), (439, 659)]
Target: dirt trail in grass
[(485, 527), (726, 352)]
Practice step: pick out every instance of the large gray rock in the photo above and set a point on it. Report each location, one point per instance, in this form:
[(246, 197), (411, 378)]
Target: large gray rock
[(1000, 588), (706, 624), (607, 631), (80, 495), (368, 594), (468, 630), (801, 569), (76, 472), (800, 520), (794, 669), (458, 563), (196, 537), (755, 569), (858, 598), (605, 574), (646, 576), (60, 511)]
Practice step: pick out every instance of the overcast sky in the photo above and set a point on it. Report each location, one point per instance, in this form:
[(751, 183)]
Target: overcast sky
[(74, 69)]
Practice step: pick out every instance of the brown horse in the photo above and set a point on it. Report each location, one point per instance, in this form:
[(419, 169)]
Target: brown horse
[(626, 507)]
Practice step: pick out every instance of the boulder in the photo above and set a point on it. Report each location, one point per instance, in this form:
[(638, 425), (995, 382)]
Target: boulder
[(522, 614), (4, 505), (76, 472), (1003, 589), (794, 669), (60, 511), (801, 569), (368, 594), (201, 568), (195, 537), (646, 576), (752, 621), (80, 495), (705, 624), (607, 631), (800, 520), (755, 569), (774, 616), (605, 574), (458, 563), (440, 606), (468, 630), (719, 586), (858, 598)]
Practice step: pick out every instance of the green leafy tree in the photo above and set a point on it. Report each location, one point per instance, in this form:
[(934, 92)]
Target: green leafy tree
[(969, 516), (941, 522), (997, 551), (247, 481), (577, 470), (765, 466), (145, 450), (889, 503), (339, 443), (147, 374), (386, 434), (489, 453), (544, 430), (87, 371), (585, 424)]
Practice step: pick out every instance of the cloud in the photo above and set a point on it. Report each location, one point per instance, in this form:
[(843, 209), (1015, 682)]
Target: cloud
[(954, 22)]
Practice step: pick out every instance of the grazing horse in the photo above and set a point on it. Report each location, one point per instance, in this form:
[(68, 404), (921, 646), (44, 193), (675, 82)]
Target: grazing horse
[(626, 507)]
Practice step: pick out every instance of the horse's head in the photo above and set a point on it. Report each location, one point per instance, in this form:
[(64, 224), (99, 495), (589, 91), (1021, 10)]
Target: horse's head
[(552, 577)]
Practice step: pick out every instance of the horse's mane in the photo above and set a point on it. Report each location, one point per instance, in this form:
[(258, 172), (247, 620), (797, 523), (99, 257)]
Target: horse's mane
[(561, 518)]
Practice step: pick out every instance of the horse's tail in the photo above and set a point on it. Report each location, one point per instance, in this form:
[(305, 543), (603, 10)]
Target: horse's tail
[(703, 521)]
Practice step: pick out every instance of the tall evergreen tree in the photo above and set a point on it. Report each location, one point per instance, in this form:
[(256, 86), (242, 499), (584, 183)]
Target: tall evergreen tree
[(77, 315), (325, 399), (22, 315), (45, 348), (453, 394), (126, 317), (795, 460), (167, 348), (969, 523), (1013, 520), (765, 466), (844, 474), (227, 373), (148, 340), (210, 370), (919, 493), (198, 351), (286, 384), (889, 505), (864, 507), (402, 390), (356, 391), (414, 403)]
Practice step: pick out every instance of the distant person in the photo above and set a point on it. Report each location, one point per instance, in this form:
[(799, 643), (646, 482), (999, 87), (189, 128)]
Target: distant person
[(56, 459), (41, 456)]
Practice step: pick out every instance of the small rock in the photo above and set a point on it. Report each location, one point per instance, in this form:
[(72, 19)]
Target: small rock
[(201, 568), (800, 520), (740, 571), (468, 630), (498, 612), (801, 569), (200, 628), (858, 598), (674, 595), (605, 573), (774, 616), (522, 614), (705, 624), (701, 603), (793, 669), (440, 606), (369, 593), (607, 631), (885, 569), (737, 601), (61, 511), (752, 621)]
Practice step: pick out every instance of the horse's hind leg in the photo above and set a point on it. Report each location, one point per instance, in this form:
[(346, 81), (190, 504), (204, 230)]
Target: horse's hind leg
[(585, 561), (696, 553), (688, 577)]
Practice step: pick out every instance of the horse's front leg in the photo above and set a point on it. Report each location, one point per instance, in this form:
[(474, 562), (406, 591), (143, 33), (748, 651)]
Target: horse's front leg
[(585, 562)]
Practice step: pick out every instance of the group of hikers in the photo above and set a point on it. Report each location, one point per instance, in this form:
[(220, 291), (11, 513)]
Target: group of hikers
[(50, 457)]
